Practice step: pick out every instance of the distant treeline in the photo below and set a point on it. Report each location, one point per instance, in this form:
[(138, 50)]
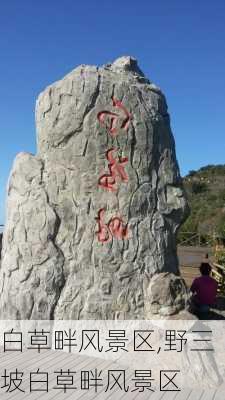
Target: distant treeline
[(206, 195)]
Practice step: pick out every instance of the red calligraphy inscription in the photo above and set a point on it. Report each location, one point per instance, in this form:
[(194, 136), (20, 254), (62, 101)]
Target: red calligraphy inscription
[(115, 228), (116, 170), (114, 121)]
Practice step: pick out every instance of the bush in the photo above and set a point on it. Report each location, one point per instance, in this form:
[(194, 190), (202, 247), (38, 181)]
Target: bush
[(199, 187), (221, 228), (220, 256), (192, 172)]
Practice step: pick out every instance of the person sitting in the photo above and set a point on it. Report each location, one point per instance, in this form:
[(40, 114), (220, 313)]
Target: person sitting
[(204, 289)]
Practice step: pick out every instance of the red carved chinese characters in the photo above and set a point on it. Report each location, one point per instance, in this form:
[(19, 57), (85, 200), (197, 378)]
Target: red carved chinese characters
[(118, 228), (114, 121), (115, 227), (116, 170)]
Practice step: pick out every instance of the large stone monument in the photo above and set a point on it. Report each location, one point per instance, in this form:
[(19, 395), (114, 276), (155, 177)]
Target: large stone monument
[(92, 218)]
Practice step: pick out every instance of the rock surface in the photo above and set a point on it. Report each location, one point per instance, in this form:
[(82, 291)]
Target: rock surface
[(92, 218)]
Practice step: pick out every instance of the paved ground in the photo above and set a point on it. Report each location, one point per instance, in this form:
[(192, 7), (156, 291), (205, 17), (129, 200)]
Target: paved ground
[(193, 256), (190, 259), (189, 273), (50, 360)]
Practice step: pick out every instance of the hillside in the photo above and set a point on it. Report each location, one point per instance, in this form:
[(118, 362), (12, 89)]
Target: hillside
[(206, 195)]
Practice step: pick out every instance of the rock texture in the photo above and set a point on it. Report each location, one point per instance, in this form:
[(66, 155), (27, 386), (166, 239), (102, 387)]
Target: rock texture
[(92, 218)]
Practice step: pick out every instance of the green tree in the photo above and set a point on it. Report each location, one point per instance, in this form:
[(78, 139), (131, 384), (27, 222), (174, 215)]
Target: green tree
[(199, 187)]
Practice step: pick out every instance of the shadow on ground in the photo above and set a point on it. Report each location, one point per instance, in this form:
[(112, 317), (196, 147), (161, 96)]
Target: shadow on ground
[(216, 313)]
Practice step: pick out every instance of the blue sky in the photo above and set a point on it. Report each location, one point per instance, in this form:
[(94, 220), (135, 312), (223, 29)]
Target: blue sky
[(180, 46)]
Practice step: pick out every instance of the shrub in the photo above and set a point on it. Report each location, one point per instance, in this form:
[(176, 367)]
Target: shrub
[(199, 187)]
